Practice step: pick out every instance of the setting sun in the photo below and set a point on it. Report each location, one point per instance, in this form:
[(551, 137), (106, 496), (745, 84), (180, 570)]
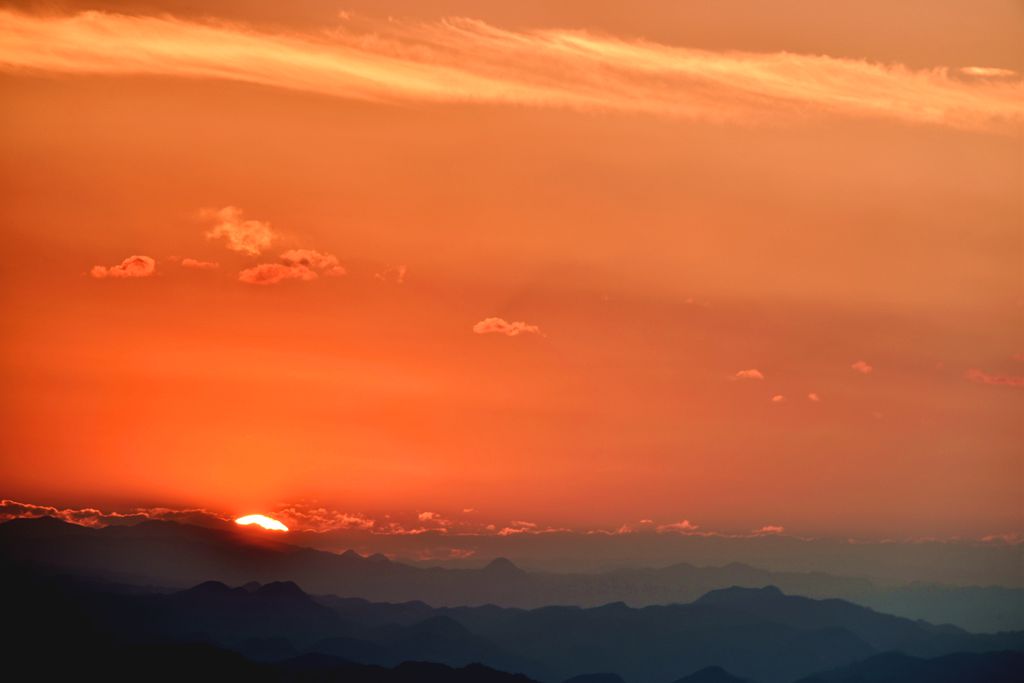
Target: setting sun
[(263, 521)]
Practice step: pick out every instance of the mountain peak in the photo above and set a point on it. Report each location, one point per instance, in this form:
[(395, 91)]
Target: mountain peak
[(276, 589), (208, 588), (502, 566)]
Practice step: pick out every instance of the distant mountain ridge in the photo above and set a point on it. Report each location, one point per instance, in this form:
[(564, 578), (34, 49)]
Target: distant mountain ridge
[(761, 634), (179, 555)]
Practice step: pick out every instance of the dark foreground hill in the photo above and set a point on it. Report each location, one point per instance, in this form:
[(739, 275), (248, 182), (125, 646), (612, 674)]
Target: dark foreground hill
[(178, 555), (756, 634), (989, 667)]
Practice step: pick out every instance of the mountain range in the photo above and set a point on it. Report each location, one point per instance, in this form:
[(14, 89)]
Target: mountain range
[(277, 629), (176, 555)]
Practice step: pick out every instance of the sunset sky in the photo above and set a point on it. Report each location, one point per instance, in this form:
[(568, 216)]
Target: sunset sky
[(731, 267)]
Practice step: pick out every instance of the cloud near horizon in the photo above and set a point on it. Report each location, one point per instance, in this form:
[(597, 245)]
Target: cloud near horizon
[(92, 517), (133, 266), (681, 527), (317, 519), (982, 377), (461, 60)]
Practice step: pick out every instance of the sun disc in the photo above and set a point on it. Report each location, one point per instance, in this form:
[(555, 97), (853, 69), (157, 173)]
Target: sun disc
[(262, 520)]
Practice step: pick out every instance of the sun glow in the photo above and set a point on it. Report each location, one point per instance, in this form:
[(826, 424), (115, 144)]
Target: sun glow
[(263, 521)]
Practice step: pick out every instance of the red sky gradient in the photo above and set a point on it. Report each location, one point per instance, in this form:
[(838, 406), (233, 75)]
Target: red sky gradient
[(551, 263)]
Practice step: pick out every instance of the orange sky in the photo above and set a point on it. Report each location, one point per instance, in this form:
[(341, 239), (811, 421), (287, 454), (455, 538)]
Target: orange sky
[(663, 198)]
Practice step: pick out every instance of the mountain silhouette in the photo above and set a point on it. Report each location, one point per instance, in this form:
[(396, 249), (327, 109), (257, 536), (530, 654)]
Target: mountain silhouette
[(711, 674), (595, 678), (179, 555), (759, 634), (894, 667)]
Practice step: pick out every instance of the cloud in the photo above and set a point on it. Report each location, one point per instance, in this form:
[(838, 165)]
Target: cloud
[(299, 264), (778, 398), (501, 326), (272, 273), (1010, 538), (312, 517), (133, 266), (92, 517), (987, 72), (326, 264), (434, 518), (682, 527), (518, 527), (769, 529), (862, 367), (199, 265), (469, 61), (813, 397), (749, 374), (247, 236), (983, 377), (395, 274)]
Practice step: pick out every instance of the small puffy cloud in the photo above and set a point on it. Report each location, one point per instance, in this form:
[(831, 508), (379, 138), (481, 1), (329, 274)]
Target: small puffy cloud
[(862, 367), (501, 326), (434, 520), (272, 273), (752, 373), (133, 266), (982, 377), (298, 264), (769, 529), (199, 265), (778, 398), (813, 397), (684, 526), (246, 236), (395, 274), (325, 264)]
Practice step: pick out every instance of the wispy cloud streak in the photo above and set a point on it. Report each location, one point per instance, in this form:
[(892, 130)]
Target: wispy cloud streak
[(464, 60)]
